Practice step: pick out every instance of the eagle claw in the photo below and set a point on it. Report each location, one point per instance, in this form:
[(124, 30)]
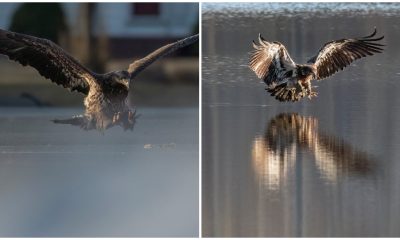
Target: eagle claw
[(312, 94)]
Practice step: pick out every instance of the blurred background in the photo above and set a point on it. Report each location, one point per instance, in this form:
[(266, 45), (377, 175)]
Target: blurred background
[(62, 181), (106, 37)]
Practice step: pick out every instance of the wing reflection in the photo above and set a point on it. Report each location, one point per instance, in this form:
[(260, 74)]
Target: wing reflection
[(274, 154)]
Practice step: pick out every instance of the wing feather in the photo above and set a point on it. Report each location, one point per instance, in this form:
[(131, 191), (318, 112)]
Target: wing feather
[(336, 55), (270, 61), (139, 65), (50, 60)]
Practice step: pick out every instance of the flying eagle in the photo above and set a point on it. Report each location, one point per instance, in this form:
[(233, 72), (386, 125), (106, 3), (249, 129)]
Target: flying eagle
[(288, 81), (106, 94)]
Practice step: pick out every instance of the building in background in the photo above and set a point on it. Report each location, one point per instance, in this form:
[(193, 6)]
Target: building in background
[(125, 30)]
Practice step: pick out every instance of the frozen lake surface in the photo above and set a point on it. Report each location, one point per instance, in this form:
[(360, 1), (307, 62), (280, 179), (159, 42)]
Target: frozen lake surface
[(329, 167), (62, 181)]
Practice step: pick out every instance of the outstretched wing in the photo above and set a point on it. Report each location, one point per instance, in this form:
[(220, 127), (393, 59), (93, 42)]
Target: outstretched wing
[(47, 58), (139, 65), (271, 62), (336, 55)]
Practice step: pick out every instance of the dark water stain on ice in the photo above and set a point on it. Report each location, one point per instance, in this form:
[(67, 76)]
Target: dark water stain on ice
[(322, 168)]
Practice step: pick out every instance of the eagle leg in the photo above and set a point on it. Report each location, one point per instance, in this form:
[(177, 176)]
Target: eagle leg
[(308, 90), (311, 93)]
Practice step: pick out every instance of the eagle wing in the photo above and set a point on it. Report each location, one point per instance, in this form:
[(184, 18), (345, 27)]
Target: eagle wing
[(271, 62), (139, 65), (338, 54), (50, 60)]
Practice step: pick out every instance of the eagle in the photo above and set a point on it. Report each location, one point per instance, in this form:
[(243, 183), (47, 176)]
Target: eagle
[(106, 95), (275, 153), (289, 81)]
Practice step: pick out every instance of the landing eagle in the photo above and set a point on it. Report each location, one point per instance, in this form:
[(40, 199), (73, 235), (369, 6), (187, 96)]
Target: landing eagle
[(106, 94), (288, 81)]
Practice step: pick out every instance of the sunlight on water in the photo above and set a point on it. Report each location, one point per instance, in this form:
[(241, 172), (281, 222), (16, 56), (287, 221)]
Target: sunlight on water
[(296, 9)]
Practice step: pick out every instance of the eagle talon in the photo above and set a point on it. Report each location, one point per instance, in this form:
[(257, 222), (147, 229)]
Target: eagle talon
[(312, 94)]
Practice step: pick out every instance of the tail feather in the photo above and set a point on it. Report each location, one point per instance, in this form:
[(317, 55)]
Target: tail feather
[(284, 93)]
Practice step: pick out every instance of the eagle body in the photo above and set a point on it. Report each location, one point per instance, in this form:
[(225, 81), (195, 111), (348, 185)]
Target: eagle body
[(293, 85), (106, 95), (288, 81), (105, 103)]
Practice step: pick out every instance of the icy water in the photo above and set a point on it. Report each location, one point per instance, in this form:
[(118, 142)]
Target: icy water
[(61, 181), (329, 167)]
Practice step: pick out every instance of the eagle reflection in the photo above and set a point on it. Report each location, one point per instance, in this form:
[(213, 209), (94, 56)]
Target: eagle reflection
[(274, 154), (101, 117)]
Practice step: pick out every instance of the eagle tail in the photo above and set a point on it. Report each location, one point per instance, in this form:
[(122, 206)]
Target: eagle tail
[(284, 93)]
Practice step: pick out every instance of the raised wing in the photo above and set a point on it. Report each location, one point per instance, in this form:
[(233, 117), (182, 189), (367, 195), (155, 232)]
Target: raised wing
[(336, 55), (139, 65), (271, 62), (50, 60)]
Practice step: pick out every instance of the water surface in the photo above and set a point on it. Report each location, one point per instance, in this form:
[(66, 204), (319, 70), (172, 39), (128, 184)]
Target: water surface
[(322, 168), (62, 181)]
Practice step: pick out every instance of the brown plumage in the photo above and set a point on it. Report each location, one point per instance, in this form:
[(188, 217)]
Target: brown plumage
[(288, 81), (106, 94)]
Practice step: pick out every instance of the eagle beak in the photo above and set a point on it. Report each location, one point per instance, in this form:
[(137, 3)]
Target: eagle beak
[(314, 75), (125, 82)]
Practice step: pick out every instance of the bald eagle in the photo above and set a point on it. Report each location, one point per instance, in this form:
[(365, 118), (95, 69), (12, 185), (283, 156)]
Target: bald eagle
[(106, 94), (288, 81)]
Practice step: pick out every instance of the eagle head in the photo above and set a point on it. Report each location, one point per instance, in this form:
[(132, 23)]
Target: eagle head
[(121, 77), (307, 70)]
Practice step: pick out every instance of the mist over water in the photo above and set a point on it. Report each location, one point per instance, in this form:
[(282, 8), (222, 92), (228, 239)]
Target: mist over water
[(321, 168)]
